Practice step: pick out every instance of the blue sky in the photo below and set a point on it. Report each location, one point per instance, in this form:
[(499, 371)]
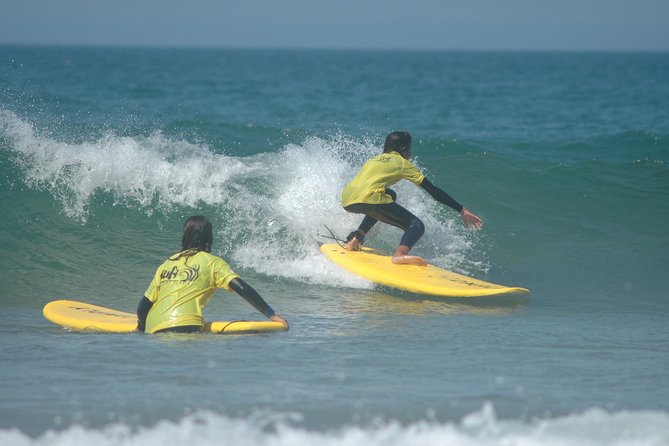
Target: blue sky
[(610, 25)]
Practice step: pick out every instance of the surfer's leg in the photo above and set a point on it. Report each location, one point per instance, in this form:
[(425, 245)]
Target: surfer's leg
[(396, 215), (357, 237)]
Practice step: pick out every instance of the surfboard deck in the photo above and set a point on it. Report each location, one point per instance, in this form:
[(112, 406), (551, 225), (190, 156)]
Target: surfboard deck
[(87, 317), (430, 279)]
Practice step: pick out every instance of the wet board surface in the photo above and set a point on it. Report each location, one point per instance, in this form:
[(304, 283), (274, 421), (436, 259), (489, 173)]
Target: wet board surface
[(432, 280), (87, 317)]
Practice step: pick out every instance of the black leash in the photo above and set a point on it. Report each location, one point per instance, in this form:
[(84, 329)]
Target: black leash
[(333, 237)]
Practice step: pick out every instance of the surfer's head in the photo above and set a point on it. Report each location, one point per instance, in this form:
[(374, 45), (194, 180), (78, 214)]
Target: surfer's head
[(399, 142), (197, 234)]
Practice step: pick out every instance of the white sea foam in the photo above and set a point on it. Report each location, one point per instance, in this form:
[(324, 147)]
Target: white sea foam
[(144, 171), (275, 205), (593, 427)]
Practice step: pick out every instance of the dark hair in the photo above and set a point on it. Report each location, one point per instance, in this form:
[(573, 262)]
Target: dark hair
[(397, 142), (197, 234)]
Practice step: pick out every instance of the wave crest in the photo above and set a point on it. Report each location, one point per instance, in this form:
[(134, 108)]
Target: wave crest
[(593, 427), (269, 209)]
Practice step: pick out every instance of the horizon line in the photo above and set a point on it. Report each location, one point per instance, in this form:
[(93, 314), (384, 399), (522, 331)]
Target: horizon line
[(325, 48)]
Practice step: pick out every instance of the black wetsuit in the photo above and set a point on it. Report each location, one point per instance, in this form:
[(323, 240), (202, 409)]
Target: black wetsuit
[(396, 215)]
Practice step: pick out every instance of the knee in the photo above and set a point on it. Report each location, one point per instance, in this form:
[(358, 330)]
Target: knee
[(413, 232), (417, 227)]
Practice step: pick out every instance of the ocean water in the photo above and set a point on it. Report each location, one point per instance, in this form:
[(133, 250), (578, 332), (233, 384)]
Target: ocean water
[(105, 151)]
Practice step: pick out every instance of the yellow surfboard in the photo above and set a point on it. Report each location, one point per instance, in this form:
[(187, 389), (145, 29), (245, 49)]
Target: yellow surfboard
[(87, 317), (429, 279)]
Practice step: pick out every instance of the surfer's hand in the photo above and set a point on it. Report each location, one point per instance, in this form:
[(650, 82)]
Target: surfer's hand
[(470, 220), (277, 318)]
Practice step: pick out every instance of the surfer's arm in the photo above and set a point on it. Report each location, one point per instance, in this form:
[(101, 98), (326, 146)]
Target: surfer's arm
[(251, 296), (439, 195), (469, 219), (142, 311)]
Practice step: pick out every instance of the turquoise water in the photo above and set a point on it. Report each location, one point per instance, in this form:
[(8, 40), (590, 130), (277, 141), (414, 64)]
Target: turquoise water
[(105, 151)]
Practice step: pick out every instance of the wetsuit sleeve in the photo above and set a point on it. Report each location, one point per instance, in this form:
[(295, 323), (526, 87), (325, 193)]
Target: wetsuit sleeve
[(251, 296), (439, 195), (142, 311)]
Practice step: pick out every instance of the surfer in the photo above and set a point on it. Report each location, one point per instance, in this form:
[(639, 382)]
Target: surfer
[(186, 281), (368, 194)]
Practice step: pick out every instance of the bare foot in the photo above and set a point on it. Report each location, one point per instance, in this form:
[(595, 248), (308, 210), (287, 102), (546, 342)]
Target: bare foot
[(409, 260), (352, 245), (401, 257)]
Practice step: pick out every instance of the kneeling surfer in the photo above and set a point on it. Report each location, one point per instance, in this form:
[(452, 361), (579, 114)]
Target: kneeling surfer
[(186, 282), (368, 194)]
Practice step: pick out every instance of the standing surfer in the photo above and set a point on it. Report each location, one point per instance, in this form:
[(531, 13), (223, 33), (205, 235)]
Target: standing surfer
[(369, 194)]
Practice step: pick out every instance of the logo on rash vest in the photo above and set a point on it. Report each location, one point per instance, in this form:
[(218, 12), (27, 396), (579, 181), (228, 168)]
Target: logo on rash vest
[(185, 274)]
